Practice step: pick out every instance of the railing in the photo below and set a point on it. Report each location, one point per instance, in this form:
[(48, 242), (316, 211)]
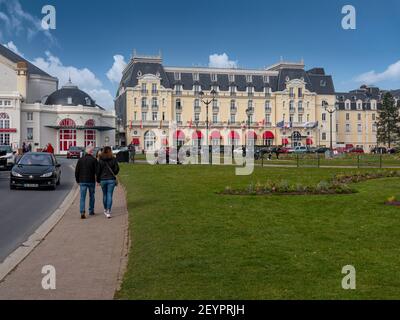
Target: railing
[(268, 95), (154, 92), (233, 109), (154, 107), (301, 110), (144, 92), (215, 109), (268, 109), (197, 109), (145, 107)]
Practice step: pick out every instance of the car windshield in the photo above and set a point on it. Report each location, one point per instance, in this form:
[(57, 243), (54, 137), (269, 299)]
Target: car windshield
[(75, 149), (36, 160), (6, 149)]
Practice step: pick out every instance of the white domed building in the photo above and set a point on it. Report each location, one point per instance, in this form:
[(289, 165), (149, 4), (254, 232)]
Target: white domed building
[(33, 110)]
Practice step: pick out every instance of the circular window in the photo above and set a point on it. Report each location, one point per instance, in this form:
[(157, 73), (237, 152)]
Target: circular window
[(139, 73)]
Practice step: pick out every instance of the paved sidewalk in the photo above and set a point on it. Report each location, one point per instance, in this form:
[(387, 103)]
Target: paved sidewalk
[(89, 256)]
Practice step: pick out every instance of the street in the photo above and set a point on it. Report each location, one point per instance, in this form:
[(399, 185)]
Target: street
[(23, 211)]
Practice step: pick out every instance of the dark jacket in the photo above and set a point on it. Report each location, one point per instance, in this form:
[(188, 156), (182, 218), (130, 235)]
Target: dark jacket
[(85, 171), (103, 172)]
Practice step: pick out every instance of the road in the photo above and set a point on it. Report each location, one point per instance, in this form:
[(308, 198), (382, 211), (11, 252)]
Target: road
[(23, 211)]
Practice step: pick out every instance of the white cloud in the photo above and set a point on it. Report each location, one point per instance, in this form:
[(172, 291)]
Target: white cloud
[(371, 77), (10, 45), (15, 21), (85, 79), (115, 73), (221, 61)]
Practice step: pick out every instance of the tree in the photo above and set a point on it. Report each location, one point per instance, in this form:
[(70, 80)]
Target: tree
[(388, 124)]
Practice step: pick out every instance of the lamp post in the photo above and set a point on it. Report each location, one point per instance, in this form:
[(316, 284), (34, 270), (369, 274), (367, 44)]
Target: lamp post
[(331, 112), (207, 102), (248, 113)]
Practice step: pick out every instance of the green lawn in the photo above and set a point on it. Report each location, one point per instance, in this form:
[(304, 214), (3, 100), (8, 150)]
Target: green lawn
[(190, 243)]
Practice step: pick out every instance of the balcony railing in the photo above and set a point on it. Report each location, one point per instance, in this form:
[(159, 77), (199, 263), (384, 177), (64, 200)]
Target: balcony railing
[(154, 92), (268, 95), (292, 110), (301, 109), (197, 108), (144, 92), (250, 94), (215, 109), (145, 107), (154, 107), (178, 93), (233, 109), (232, 93), (268, 109), (292, 95)]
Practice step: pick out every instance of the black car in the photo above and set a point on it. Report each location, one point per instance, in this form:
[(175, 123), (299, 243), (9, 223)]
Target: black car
[(36, 170)]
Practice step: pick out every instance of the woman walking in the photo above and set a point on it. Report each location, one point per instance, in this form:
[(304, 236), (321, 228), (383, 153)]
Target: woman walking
[(107, 171)]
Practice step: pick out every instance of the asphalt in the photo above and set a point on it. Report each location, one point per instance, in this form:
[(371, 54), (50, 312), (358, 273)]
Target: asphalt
[(23, 211)]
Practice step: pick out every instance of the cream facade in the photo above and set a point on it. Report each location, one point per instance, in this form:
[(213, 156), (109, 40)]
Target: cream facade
[(284, 104)]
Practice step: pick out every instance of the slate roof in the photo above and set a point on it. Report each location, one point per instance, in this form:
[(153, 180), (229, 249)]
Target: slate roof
[(316, 79), (10, 55), (79, 97)]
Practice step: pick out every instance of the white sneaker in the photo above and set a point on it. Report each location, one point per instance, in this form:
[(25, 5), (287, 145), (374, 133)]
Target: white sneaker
[(108, 214), (105, 212)]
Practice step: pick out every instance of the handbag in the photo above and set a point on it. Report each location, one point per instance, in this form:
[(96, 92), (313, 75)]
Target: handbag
[(112, 172)]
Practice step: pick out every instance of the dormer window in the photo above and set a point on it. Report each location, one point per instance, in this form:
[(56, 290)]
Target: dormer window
[(249, 78), (69, 100), (231, 78), (250, 90), (322, 83), (214, 87), (88, 101), (177, 76), (196, 89), (359, 105), (347, 105), (195, 76), (214, 77), (266, 79), (232, 90)]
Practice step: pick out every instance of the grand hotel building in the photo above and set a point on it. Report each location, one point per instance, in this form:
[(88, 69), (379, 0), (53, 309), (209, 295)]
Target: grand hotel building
[(284, 104)]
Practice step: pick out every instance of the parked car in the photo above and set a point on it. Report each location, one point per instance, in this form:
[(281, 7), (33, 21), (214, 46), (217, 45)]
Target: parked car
[(286, 150), (322, 150), (393, 150), (379, 150), (36, 170), (7, 157), (356, 150), (300, 149), (75, 152)]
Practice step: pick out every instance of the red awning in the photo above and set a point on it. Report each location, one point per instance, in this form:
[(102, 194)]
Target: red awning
[(178, 134), (268, 135), (285, 141), (135, 141), (8, 130), (251, 135), (309, 141), (197, 135), (234, 135), (215, 135)]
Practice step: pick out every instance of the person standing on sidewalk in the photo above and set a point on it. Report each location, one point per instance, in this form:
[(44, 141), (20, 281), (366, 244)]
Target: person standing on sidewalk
[(132, 153), (85, 176), (107, 171)]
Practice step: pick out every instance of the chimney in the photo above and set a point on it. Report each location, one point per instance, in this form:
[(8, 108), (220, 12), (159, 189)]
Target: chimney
[(22, 78)]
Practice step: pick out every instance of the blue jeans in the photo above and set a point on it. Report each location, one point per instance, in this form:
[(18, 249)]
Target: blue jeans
[(84, 187), (108, 189)]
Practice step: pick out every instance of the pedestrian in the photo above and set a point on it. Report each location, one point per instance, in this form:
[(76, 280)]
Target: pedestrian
[(107, 171), (23, 147), (29, 147), (85, 176), (132, 153), (50, 148)]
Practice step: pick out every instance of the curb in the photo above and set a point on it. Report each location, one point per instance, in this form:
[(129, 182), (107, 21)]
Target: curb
[(19, 254)]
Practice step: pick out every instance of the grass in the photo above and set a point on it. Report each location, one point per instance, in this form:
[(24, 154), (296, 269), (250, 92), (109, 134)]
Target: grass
[(188, 242)]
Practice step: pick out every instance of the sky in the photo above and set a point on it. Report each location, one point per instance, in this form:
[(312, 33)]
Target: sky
[(94, 40)]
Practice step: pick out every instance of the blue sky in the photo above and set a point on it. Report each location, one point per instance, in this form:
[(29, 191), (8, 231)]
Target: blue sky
[(253, 34)]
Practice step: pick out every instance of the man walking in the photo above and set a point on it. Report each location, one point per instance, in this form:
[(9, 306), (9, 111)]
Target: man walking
[(85, 176), (132, 153)]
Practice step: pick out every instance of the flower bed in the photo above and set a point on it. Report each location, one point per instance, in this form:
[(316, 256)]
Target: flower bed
[(339, 184)]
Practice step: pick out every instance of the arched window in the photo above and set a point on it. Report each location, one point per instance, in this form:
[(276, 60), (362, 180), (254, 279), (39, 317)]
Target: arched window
[(67, 134), (178, 105), (4, 121), (296, 139), (149, 141), (90, 134)]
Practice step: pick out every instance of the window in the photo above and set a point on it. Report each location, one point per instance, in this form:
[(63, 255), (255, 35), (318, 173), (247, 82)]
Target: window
[(291, 105), (135, 116), (291, 116), (215, 117), (347, 116), (374, 126), (144, 88), (154, 88), (196, 89), (69, 100), (154, 103), (88, 101), (359, 128), (231, 78), (250, 90), (300, 118), (213, 77), (177, 76), (347, 105), (267, 106), (300, 105), (291, 92), (347, 127), (232, 118), (197, 116), (215, 104), (232, 90), (359, 106), (149, 141), (267, 118), (322, 83), (144, 116), (179, 117), (196, 103), (29, 134), (178, 89), (308, 117), (373, 116), (178, 104), (4, 121), (90, 134), (154, 116), (233, 105), (324, 117), (323, 136), (195, 76), (144, 102), (266, 79), (67, 136), (29, 116), (5, 139), (249, 78), (300, 92), (215, 88), (359, 116), (250, 104)]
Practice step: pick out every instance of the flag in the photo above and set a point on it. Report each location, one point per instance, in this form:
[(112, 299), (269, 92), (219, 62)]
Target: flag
[(141, 124), (280, 124)]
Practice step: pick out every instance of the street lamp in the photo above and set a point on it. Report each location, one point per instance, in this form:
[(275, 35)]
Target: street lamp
[(248, 113), (207, 102), (331, 112)]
